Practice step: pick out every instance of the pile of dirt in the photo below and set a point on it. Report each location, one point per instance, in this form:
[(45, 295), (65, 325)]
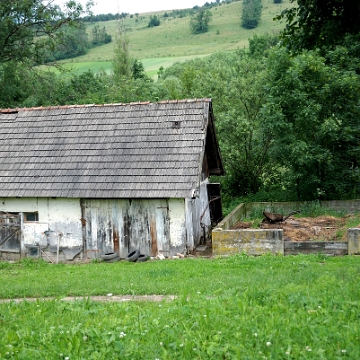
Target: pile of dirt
[(321, 228)]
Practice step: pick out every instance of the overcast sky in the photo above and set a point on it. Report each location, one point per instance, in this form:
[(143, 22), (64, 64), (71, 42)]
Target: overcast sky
[(139, 6)]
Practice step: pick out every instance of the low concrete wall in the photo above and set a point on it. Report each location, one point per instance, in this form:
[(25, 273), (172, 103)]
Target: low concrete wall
[(353, 236), (253, 242), (260, 241), (315, 247), (236, 215)]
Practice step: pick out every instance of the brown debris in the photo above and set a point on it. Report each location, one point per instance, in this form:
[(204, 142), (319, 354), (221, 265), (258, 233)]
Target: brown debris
[(321, 228)]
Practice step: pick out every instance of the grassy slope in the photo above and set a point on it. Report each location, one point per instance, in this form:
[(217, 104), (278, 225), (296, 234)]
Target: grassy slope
[(172, 41), (294, 307)]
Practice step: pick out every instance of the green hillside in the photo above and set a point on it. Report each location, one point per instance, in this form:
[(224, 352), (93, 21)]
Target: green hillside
[(172, 41)]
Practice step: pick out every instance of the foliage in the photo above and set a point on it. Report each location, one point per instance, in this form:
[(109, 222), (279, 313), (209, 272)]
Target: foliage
[(137, 69), (199, 22), (251, 14), (104, 17), (236, 84), (259, 45), (28, 28), (121, 60), (154, 21), (249, 303), (72, 42), (99, 36), (319, 24), (311, 115)]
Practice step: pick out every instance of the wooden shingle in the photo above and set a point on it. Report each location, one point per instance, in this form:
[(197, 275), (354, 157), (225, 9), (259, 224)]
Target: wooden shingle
[(141, 150)]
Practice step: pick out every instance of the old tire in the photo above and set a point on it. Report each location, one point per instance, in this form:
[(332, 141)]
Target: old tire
[(141, 258), (114, 260), (109, 256), (133, 256)]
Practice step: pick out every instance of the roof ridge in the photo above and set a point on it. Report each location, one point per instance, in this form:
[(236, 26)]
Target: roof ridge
[(55, 107)]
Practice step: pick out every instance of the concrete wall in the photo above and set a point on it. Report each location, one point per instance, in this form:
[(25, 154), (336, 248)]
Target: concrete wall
[(353, 235), (236, 215), (259, 241), (252, 242), (349, 206)]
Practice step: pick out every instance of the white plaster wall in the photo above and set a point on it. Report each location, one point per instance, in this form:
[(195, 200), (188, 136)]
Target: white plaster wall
[(177, 222), (58, 215), (34, 233)]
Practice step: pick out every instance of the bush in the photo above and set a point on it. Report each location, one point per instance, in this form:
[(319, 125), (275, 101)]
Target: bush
[(154, 21)]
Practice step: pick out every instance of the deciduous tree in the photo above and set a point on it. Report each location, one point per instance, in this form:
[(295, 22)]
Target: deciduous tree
[(251, 13), (312, 113), (319, 23), (199, 23), (27, 28)]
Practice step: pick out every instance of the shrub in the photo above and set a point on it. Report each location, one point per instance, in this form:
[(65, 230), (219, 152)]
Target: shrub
[(154, 21)]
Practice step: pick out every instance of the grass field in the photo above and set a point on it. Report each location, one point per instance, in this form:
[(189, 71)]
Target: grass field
[(172, 41), (240, 307), (151, 65)]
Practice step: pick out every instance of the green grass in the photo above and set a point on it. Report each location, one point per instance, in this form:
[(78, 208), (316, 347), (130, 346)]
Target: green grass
[(151, 65), (173, 38), (240, 307)]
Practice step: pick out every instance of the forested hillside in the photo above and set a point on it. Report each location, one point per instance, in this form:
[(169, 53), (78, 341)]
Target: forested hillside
[(286, 108)]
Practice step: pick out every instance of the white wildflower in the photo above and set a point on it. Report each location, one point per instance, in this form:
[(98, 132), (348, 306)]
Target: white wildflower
[(268, 343)]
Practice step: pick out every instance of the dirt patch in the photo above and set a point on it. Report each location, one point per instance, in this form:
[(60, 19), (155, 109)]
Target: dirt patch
[(321, 228)]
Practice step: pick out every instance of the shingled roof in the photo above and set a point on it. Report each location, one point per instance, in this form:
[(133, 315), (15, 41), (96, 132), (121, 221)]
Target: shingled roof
[(137, 150)]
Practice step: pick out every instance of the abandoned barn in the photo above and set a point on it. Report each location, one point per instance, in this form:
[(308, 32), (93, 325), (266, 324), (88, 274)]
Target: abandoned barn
[(77, 182)]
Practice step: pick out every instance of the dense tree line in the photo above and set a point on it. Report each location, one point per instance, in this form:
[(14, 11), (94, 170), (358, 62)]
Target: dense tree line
[(104, 17), (287, 112), (74, 42)]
